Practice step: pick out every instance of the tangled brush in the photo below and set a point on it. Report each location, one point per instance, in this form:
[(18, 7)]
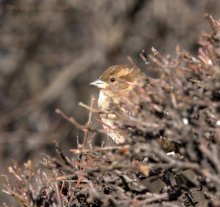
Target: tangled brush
[(174, 152)]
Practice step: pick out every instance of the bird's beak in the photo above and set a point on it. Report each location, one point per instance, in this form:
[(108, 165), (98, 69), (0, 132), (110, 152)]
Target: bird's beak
[(99, 84)]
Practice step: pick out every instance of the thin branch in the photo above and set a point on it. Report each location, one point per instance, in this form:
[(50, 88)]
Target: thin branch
[(89, 123)]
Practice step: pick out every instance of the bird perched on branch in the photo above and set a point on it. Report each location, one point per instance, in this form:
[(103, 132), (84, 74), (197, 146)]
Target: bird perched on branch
[(123, 90), (116, 85)]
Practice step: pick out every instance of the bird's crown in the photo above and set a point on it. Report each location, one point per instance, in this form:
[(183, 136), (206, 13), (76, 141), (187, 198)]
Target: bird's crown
[(122, 72)]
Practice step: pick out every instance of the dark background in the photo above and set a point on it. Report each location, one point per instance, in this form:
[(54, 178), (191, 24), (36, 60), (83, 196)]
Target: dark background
[(51, 50)]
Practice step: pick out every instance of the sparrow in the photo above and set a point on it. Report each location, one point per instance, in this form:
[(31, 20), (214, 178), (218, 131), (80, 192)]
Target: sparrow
[(116, 85), (121, 92)]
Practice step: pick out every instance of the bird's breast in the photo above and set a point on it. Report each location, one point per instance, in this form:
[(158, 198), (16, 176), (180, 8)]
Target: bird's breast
[(108, 119), (103, 100)]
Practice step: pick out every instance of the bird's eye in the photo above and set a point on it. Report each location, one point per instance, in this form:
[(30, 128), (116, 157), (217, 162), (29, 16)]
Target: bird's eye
[(112, 80)]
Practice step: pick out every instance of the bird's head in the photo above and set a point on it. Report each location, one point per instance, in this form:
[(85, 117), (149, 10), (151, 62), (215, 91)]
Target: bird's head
[(119, 77)]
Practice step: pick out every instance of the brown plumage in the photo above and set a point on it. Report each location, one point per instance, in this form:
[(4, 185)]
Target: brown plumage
[(120, 86), (116, 83)]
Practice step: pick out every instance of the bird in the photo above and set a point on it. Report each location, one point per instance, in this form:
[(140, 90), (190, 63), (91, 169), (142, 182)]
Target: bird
[(116, 85), (121, 86)]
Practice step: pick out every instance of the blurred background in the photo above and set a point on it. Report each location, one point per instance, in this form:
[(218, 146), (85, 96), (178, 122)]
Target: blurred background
[(51, 50)]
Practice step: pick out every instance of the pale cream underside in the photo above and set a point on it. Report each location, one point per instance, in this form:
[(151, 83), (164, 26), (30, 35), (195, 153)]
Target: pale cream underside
[(107, 119)]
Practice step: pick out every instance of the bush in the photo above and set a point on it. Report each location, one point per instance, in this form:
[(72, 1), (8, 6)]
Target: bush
[(173, 157)]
